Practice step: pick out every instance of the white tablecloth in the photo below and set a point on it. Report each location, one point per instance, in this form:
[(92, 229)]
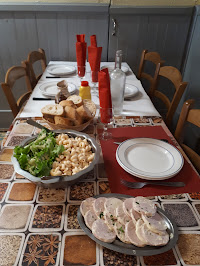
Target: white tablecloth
[(140, 105)]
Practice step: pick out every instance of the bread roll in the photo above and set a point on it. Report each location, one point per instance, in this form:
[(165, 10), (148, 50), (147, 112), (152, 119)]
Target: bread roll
[(59, 120), (67, 103), (84, 112), (52, 110), (76, 100)]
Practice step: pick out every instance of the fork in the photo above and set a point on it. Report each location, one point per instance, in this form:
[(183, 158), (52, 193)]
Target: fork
[(142, 184)]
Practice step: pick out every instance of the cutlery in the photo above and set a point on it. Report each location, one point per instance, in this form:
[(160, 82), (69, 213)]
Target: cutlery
[(42, 99), (118, 143), (142, 184), (54, 77), (35, 124)]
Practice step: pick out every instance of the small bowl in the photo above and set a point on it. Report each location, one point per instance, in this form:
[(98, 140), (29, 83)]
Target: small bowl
[(63, 181)]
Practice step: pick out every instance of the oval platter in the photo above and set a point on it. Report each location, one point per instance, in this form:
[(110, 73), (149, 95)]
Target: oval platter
[(130, 249)]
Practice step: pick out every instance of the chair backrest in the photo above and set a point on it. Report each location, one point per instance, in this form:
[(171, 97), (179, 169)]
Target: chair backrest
[(192, 116), (33, 57), (13, 74), (174, 75), (153, 57)]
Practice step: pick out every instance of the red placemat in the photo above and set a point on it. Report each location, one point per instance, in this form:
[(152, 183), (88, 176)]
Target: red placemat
[(114, 171)]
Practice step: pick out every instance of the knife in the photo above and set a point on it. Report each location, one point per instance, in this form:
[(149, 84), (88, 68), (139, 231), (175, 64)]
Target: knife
[(42, 99)]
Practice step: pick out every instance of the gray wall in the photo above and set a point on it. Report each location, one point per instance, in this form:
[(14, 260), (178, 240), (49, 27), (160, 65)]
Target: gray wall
[(52, 27)]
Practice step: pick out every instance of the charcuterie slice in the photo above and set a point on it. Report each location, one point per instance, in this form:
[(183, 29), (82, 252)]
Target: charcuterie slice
[(130, 232), (86, 205), (90, 217), (102, 232), (144, 206)]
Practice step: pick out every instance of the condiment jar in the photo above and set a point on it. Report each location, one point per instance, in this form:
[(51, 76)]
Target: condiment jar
[(84, 90), (63, 94)]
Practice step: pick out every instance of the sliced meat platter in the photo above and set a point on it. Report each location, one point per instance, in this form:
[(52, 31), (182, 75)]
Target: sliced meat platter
[(132, 221)]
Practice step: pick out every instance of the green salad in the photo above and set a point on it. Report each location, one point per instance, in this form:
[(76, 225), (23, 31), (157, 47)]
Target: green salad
[(38, 156)]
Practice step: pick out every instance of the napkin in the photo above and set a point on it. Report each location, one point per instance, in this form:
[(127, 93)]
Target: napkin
[(104, 95), (81, 47), (94, 57), (115, 172)]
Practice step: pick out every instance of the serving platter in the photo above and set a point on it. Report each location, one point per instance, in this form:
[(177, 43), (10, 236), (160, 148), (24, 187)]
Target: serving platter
[(130, 91), (130, 249), (51, 89), (64, 180), (148, 158), (61, 70)]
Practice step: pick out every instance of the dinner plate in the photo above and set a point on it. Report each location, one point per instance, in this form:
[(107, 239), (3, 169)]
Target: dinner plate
[(112, 67), (51, 89), (150, 159), (61, 70), (130, 249), (130, 91)]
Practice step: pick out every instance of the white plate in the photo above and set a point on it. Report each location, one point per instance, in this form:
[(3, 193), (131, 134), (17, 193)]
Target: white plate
[(61, 70), (51, 89), (112, 67), (148, 158), (130, 91)]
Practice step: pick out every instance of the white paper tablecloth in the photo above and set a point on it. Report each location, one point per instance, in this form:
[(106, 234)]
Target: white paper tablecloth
[(140, 105)]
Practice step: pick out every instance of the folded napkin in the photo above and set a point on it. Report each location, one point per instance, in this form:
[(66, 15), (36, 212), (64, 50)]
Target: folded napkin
[(94, 57), (81, 47), (105, 101)]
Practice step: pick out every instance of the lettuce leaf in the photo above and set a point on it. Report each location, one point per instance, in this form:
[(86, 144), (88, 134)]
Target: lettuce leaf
[(38, 156)]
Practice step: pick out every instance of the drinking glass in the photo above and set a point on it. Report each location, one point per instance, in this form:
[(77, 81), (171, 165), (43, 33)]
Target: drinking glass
[(81, 71), (106, 118), (94, 80)]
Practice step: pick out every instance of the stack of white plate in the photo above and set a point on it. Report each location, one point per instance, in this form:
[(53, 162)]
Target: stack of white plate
[(150, 159)]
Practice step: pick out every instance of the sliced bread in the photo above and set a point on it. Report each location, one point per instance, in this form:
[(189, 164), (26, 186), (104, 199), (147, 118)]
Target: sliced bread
[(67, 103), (52, 110), (59, 120), (76, 100), (84, 112)]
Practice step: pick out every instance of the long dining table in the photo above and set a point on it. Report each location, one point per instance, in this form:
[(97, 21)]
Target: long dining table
[(39, 226)]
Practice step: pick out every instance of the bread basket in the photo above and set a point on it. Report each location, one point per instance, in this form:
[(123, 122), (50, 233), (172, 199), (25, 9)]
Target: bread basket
[(91, 106)]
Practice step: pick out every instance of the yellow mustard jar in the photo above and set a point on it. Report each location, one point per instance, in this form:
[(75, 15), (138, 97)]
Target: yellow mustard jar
[(84, 90)]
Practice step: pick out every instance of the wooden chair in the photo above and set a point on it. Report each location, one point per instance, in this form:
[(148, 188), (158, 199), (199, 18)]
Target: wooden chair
[(192, 116), (153, 57), (174, 75), (13, 74), (33, 57)]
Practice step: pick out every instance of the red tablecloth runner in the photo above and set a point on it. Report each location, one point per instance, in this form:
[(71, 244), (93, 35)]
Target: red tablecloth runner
[(114, 172)]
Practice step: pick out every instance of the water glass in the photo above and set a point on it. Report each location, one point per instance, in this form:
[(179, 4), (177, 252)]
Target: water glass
[(106, 118), (81, 71), (94, 80)]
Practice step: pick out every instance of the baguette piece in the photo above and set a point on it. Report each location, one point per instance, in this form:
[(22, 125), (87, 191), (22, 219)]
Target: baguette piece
[(76, 100), (67, 103), (52, 110), (71, 113), (84, 112), (59, 120)]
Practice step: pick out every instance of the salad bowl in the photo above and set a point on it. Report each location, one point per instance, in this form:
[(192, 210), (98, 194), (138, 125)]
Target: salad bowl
[(63, 180)]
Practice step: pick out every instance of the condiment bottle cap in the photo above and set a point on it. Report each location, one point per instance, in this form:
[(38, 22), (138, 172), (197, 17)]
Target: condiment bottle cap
[(84, 83)]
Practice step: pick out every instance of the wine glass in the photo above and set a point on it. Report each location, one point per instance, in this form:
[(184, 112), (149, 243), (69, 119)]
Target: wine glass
[(94, 80), (106, 118), (81, 71)]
